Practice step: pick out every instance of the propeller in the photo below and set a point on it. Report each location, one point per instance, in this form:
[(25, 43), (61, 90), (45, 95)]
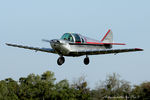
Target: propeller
[(44, 40)]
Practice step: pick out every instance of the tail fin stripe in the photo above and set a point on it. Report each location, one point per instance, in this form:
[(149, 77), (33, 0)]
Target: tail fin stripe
[(106, 35)]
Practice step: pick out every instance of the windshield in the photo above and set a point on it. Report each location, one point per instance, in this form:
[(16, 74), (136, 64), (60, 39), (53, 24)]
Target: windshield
[(68, 37)]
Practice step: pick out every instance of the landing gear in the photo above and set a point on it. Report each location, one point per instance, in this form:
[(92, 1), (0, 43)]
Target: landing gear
[(60, 60), (86, 60)]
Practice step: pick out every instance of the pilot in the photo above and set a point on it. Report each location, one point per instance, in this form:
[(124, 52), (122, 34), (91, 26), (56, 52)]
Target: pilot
[(70, 39)]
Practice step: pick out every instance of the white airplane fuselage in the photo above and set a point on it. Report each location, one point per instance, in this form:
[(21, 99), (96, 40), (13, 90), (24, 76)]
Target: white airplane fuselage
[(64, 47)]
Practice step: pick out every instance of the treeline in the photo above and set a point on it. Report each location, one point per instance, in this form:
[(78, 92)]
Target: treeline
[(44, 87)]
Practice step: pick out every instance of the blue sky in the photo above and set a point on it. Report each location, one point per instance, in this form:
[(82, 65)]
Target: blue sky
[(26, 22)]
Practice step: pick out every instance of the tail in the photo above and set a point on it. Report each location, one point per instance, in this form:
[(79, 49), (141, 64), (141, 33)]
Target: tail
[(108, 38)]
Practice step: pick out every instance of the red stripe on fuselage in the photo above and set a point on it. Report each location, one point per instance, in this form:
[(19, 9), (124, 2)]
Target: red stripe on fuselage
[(105, 43), (93, 43), (78, 42)]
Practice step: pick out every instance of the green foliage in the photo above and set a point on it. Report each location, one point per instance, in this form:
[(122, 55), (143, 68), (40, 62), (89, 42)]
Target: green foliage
[(8, 89), (44, 87), (80, 87), (142, 91)]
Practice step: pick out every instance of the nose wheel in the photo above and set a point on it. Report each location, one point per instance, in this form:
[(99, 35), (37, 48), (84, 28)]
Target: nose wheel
[(86, 61), (60, 60)]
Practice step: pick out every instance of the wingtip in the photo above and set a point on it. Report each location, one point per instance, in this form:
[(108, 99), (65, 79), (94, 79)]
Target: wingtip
[(139, 49), (6, 43)]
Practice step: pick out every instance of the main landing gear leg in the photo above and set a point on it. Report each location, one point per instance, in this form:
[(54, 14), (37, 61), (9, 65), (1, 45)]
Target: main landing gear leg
[(60, 60), (86, 60)]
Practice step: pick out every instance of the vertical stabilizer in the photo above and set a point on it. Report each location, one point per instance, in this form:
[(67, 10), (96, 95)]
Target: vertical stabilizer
[(108, 38)]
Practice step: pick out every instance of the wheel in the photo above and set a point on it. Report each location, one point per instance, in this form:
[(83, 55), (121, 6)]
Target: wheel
[(60, 60), (86, 60)]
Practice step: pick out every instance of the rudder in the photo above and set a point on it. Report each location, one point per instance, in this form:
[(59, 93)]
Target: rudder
[(108, 38)]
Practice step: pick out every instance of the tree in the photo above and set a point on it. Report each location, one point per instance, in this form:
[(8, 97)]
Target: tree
[(82, 91), (113, 86), (142, 92), (3, 90), (37, 87), (8, 89), (43, 87), (63, 91)]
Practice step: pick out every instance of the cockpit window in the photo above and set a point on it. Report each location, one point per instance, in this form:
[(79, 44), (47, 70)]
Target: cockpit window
[(82, 40), (67, 36), (77, 38)]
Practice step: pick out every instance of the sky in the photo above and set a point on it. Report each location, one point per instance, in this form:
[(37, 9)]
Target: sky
[(26, 22)]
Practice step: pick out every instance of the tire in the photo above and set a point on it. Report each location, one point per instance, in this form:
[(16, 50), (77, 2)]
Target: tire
[(86, 61), (60, 60)]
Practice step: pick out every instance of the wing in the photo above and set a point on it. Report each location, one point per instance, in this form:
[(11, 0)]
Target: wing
[(49, 50), (110, 51)]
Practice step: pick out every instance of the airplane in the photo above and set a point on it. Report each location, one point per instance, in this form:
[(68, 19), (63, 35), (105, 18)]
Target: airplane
[(75, 45)]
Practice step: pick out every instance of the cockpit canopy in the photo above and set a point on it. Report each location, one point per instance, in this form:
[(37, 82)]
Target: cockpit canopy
[(73, 37), (67, 36)]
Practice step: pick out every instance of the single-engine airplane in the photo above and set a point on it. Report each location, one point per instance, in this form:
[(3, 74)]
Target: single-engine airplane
[(74, 45)]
